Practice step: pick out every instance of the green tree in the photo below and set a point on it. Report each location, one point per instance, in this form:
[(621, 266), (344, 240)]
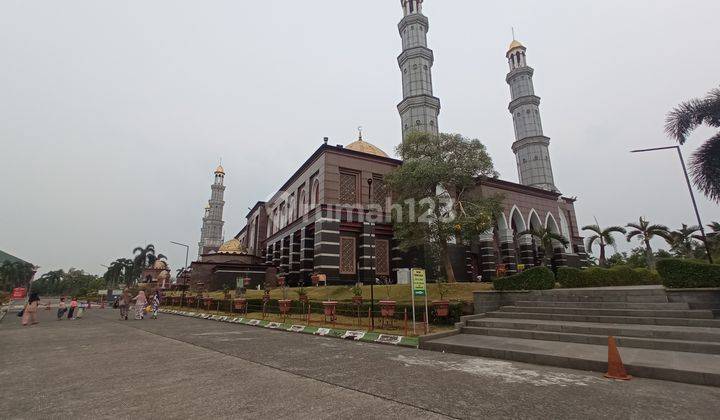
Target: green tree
[(16, 274), (645, 232), (545, 240), (435, 193), (603, 237), (120, 272), (683, 241), (705, 162)]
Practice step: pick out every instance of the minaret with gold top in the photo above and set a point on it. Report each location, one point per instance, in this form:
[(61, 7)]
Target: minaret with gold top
[(531, 146), (211, 235)]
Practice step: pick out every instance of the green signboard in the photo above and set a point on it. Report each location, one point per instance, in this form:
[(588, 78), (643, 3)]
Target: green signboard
[(419, 284)]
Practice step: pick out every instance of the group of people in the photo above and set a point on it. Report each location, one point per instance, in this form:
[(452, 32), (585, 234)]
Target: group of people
[(74, 310), (142, 305)]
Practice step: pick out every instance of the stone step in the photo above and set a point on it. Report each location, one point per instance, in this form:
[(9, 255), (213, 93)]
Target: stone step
[(603, 305), (655, 290), (667, 332), (645, 343), (657, 313), (654, 298), (689, 322), (693, 368)]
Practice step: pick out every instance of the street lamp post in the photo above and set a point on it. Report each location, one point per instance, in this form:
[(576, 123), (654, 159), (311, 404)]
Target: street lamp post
[(692, 195), (187, 251), (372, 271)]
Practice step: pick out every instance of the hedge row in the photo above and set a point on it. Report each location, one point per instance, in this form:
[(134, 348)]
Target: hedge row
[(680, 274), (343, 308), (605, 277), (538, 278)]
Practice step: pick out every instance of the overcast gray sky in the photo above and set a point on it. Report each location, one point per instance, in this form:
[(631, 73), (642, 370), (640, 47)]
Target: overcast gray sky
[(113, 114)]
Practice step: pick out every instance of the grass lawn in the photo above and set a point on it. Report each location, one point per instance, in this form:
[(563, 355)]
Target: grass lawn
[(398, 292), (345, 322)]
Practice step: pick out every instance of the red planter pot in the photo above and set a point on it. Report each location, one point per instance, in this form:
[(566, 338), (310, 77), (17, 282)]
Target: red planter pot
[(207, 302), (357, 300), (442, 308), (303, 298), (190, 300), (387, 308), (281, 281), (329, 307), (285, 305), (240, 304)]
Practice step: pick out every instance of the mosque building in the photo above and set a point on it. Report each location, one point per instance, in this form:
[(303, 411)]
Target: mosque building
[(331, 215)]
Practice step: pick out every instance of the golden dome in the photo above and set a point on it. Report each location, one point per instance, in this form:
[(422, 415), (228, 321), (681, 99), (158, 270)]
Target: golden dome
[(220, 170), (515, 44), (365, 147), (233, 246), (160, 265)]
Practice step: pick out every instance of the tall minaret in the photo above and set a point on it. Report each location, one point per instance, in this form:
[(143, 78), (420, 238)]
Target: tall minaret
[(211, 235), (419, 109), (531, 147)]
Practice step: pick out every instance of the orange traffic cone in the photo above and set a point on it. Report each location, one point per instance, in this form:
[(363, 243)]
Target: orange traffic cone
[(616, 369)]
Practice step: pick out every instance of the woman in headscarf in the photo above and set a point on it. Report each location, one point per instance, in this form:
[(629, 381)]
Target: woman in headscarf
[(140, 303), (124, 304), (30, 312), (155, 302)]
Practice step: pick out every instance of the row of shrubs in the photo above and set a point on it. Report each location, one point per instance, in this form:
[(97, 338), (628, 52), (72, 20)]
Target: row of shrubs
[(342, 308), (671, 273)]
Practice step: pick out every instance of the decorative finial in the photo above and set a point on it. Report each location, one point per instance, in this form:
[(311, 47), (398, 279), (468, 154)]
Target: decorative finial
[(513, 33), (360, 133)]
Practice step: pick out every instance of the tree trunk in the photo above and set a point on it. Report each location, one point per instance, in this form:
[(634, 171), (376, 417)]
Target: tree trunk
[(445, 256), (649, 255), (603, 261)]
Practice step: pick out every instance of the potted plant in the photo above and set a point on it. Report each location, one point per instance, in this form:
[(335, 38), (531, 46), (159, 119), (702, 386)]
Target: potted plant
[(442, 306), (240, 304), (387, 306), (357, 294), (329, 309), (207, 301), (302, 294), (285, 305)]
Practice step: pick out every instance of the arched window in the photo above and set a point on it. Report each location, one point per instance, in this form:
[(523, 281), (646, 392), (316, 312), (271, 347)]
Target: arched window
[(316, 193), (303, 203)]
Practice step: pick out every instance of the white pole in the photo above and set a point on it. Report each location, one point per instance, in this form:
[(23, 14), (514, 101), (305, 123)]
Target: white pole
[(412, 294)]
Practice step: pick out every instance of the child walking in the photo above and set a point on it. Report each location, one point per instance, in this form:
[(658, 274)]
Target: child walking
[(62, 308), (73, 306)]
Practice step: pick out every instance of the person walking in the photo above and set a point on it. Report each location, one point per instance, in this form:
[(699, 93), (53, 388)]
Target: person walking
[(124, 304), (73, 307), (140, 303), (155, 302), (62, 308), (30, 313)]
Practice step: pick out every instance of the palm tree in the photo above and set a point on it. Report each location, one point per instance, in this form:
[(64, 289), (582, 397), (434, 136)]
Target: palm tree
[(645, 232), (705, 162), (681, 240), (603, 237), (546, 240), (145, 257)]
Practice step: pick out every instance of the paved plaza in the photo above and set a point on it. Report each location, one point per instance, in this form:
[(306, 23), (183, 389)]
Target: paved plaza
[(178, 367)]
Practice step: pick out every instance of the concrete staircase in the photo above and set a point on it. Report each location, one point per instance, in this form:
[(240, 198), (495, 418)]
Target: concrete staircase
[(570, 327)]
